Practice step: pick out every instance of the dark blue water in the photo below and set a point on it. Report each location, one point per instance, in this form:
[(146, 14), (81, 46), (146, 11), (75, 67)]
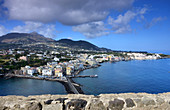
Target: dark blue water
[(18, 86), (151, 76)]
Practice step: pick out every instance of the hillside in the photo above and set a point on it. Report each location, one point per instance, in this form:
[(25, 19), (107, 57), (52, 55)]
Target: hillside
[(24, 38), (35, 40), (77, 44)]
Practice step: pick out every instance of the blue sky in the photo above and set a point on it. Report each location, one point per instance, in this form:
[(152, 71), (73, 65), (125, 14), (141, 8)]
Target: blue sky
[(115, 24)]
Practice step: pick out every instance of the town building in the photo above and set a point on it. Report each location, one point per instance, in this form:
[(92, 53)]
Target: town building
[(23, 58), (47, 72), (31, 71), (58, 72)]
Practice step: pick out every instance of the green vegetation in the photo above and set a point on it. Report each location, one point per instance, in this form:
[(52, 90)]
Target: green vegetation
[(163, 55), (8, 65), (149, 53)]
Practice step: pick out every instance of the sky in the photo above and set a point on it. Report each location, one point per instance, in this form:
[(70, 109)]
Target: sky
[(130, 25)]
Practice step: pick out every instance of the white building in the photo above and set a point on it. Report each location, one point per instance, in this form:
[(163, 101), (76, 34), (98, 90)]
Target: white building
[(143, 56), (55, 52), (69, 70), (56, 59), (47, 72), (31, 71), (58, 71), (92, 62)]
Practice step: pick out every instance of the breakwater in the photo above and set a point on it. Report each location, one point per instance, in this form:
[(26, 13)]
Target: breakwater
[(125, 101), (70, 86)]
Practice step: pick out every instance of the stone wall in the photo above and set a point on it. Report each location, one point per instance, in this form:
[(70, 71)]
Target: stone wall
[(125, 101)]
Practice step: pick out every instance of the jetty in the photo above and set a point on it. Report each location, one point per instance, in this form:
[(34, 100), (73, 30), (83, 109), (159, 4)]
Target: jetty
[(72, 87), (83, 76), (69, 84)]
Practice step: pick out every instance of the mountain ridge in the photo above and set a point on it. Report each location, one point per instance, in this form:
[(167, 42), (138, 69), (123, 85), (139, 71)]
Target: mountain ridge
[(23, 38), (33, 38)]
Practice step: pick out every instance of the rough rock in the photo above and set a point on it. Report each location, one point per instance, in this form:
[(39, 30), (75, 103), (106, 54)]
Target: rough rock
[(96, 105), (124, 101), (53, 106), (117, 104), (129, 102), (48, 102), (76, 104), (4, 108), (148, 102), (33, 106)]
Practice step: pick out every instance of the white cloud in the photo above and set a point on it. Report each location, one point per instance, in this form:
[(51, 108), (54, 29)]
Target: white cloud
[(123, 29), (68, 12), (91, 30), (140, 14), (154, 21), (143, 10), (119, 25), (69, 38), (122, 23), (86, 16), (47, 30), (3, 30)]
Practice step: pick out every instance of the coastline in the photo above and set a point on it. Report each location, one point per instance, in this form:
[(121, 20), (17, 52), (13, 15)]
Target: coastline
[(65, 84)]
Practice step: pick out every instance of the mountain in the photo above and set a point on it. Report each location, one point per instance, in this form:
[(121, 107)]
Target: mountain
[(35, 40), (24, 38), (78, 44)]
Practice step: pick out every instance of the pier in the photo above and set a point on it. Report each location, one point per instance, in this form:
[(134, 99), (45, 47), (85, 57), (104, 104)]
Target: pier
[(72, 87), (83, 76)]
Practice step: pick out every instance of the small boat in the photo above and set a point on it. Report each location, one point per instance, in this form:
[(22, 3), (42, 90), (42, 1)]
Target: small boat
[(94, 76)]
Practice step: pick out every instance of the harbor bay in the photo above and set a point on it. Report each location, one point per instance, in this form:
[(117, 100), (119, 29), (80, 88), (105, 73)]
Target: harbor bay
[(150, 76), (25, 87)]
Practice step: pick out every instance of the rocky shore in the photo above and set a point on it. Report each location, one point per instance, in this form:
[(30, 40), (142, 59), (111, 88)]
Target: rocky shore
[(124, 101)]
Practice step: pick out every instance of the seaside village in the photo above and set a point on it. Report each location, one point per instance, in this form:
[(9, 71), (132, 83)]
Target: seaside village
[(57, 69)]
